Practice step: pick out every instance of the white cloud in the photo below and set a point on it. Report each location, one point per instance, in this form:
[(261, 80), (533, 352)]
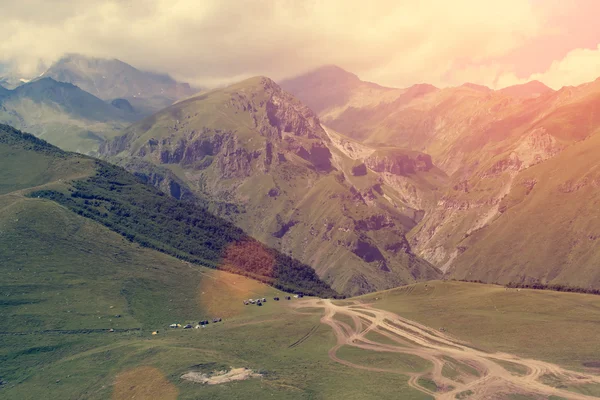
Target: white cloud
[(577, 67), (394, 42)]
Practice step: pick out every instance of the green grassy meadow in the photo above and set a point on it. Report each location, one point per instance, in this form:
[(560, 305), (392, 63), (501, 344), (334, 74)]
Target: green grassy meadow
[(545, 325)]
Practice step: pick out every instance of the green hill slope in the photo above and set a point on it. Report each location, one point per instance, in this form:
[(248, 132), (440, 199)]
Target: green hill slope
[(141, 213), (558, 205)]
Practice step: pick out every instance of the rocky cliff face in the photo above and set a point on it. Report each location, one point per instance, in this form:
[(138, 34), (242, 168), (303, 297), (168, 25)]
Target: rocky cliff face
[(284, 126)]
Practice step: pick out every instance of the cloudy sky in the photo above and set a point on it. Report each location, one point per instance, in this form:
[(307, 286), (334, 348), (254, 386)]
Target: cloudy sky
[(391, 42)]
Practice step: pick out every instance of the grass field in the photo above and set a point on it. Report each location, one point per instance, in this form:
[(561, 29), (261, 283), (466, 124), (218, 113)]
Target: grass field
[(456, 370), (514, 368), (427, 384), (55, 341), (551, 326), (379, 338), (399, 362), (59, 301)]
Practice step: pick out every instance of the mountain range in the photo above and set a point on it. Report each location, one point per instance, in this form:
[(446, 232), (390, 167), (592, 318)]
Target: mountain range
[(63, 114), (502, 151), (212, 211), (111, 79), (79, 101)]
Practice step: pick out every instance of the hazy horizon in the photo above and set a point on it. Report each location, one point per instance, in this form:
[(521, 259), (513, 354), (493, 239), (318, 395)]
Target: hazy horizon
[(214, 43)]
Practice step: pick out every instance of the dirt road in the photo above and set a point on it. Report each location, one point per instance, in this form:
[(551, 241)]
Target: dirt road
[(489, 375)]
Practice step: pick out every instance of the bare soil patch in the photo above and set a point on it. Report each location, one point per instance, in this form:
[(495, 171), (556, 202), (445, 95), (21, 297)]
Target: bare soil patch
[(217, 378)]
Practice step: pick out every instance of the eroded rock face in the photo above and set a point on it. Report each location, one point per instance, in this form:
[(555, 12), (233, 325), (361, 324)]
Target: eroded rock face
[(284, 227), (287, 118), (116, 145), (320, 156), (512, 163), (481, 201), (284, 126), (374, 223), (359, 170), (235, 160), (398, 163), (399, 246), (200, 150)]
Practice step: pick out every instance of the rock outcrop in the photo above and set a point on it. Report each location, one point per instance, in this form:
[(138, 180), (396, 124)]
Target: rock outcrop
[(397, 162)]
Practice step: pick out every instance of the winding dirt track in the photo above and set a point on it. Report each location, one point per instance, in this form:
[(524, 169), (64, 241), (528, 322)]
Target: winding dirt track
[(416, 339)]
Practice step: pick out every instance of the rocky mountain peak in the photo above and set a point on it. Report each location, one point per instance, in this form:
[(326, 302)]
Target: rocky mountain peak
[(526, 90), (330, 74)]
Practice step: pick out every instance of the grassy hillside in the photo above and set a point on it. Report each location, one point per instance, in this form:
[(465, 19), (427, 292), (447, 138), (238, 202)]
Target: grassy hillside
[(143, 214), (34, 162), (544, 325), (559, 207)]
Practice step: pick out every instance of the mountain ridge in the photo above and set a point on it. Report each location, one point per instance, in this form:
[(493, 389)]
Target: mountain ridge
[(62, 113), (254, 145), (488, 142)]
